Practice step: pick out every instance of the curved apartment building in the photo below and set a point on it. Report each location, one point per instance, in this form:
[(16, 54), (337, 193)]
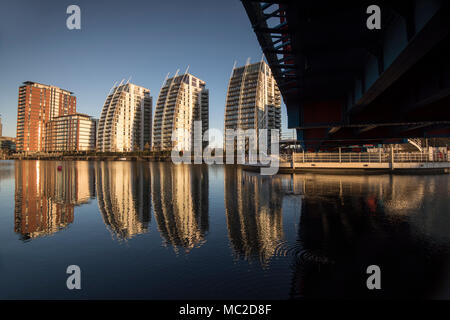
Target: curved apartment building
[(182, 100), (126, 120), (253, 99)]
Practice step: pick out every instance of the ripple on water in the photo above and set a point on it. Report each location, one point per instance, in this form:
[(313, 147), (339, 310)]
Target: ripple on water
[(300, 254)]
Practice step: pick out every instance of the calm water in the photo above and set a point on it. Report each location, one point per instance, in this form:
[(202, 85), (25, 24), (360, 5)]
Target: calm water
[(160, 231)]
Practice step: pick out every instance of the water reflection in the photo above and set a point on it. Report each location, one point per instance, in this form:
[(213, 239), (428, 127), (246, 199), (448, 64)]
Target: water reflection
[(6, 171), (351, 222), (300, 235), (45, 196), (253, 208), (180, 203), (123, 193)]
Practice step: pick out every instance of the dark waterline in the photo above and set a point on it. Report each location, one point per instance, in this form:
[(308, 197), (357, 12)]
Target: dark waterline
[(160, 231)]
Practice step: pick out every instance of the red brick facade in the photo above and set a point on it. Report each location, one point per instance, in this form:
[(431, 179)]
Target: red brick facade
[(37, 105)]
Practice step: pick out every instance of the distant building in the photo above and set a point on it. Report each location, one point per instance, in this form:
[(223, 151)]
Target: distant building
[(73, 132), (7, 144), (182, 100), (38, 104), (1, 127), (126, 120), (253, 100)]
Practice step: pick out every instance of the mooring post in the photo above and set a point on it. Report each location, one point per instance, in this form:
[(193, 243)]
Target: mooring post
[(293, 183), (392, 157), (293, 160)]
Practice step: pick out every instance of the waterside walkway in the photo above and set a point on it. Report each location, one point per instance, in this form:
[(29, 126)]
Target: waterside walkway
[(363, 163)]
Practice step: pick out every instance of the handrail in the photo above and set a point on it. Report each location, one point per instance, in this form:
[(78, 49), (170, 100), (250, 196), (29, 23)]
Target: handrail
[(366, 157)]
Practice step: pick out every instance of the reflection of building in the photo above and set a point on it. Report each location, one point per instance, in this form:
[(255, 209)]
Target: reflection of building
[(126, 120), (180, 203), (73, 132), (182, 100), (6, 172), (45, 197), (38, 104), (73, 184), (253, 99), (253, 206), (123, 193)]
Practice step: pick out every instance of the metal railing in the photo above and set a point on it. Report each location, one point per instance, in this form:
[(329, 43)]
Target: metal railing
[(366, 157)]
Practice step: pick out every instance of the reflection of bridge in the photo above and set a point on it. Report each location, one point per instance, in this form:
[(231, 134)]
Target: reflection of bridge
[(348, 222), (344, 84)]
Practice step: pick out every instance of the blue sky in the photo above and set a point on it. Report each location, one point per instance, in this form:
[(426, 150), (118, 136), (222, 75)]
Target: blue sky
[(141, 39)]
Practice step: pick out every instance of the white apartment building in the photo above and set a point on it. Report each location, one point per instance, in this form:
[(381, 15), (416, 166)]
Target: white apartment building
[(182, 100), (72, 132), (253, 100), (126, 120)]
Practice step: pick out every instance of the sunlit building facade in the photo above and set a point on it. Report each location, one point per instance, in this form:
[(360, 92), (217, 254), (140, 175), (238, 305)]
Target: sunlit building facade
[(182, 100), (73, 132), (253, 100), (38, 104), (126, 120)]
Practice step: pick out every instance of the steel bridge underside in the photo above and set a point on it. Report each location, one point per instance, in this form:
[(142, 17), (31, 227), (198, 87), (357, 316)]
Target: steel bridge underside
[(344, 84)]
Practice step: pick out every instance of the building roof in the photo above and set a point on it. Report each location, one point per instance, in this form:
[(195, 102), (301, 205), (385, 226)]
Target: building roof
[(47, 85), (77, 114)]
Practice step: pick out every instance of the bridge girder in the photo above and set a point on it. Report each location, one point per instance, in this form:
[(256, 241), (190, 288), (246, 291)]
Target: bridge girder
[(333, 72)]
